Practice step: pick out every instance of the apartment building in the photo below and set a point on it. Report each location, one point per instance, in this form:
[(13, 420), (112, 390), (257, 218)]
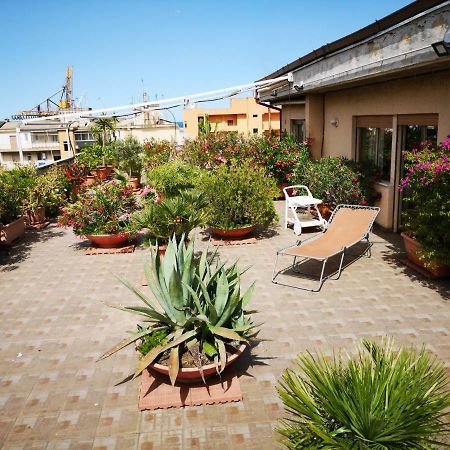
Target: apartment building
[(244, 115)]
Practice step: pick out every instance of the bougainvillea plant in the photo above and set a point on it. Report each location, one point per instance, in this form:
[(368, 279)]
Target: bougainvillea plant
[(426, 199), (102, 209)]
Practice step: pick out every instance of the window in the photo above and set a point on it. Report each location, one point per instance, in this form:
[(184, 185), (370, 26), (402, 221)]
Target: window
[(374, 145), (84, 136), (298, 130), (255, 115), (255, 130), (230, 123)]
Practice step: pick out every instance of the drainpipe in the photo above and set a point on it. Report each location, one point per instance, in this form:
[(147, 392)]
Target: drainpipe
[(19, 144)]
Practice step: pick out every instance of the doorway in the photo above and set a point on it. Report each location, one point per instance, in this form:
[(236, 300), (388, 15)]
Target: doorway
[(410, 135)]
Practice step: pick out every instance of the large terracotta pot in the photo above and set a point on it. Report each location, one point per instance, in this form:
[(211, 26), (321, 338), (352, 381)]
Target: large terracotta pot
[(325, 210), (109, 240), (413, 248), (233, 234), (281, 187), (193, 375), (100, 173), (36, 217), (89, 180), (12, 231), (109, 170), (134, 183)]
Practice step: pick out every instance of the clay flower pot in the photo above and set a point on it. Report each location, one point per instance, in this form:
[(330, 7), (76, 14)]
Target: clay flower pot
[(109, 170), (36, 217), (12, 231), (281, 187), (100, 173), (234, 233), (89, 180), (109, 240), (134, 183), (325, 210), (413, 248), (193, 375)]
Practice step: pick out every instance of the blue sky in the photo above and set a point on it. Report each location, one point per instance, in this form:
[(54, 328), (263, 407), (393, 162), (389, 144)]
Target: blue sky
[(118, 49)]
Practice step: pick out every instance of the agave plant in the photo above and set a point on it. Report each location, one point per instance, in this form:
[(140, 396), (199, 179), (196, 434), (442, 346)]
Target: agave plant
[(383, 400), (197, 303)]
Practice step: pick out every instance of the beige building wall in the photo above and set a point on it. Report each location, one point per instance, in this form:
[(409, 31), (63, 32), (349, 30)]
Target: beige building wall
[(243, 116), (421, 94)]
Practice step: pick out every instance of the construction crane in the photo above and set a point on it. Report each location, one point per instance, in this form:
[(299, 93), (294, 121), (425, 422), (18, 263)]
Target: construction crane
[(49, 107)]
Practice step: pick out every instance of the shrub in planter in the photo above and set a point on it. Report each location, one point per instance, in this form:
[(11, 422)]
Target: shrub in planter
[(92, 156), (278, 156), (384, 399), (173, 177), (158, 152), (338, 180), (173, 216), (14, 187), (100, 210), (197, 313), (426, 190), (127, 155), (238, 196)]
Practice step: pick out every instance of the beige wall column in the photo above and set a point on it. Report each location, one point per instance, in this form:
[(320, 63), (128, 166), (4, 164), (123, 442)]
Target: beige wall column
[(314, 122)]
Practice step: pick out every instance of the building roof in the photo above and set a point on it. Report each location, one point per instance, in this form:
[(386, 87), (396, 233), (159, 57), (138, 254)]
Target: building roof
[(389, 21)]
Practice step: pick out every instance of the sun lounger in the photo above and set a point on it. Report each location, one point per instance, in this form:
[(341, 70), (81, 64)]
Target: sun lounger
[(348, 225)]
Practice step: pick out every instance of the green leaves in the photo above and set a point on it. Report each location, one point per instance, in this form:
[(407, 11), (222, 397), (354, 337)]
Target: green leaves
[(386, 399)]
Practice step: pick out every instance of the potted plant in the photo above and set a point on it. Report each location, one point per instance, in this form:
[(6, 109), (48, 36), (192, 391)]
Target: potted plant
[(426, 214), (383, 399), (173, 216), (102, 214), (14, 185), (128, 158), (196, 323), (337, 181), (239, 197), (171, 178), (96, 158)]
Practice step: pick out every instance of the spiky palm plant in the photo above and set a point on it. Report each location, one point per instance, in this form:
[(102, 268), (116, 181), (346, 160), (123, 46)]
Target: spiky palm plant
[(197, 303), (382, 400)]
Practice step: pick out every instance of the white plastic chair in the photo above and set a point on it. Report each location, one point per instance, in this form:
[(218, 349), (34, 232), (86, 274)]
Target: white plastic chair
[(296, 204)]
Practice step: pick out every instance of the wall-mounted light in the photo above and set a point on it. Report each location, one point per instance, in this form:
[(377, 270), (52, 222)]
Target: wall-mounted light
[(442, 48), (335, 122), (298, 87), (274, 93)]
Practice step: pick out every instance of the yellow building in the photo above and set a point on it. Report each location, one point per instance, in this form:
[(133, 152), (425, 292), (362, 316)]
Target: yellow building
[(243, 116)]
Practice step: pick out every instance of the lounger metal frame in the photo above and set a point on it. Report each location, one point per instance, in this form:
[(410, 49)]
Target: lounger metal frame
[(342, 252)]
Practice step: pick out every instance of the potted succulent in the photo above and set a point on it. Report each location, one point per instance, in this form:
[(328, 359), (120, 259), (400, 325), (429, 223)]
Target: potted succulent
[(426, 213), (239, 197), (102, 214), (196, 324), (172, 216), (382, 399)]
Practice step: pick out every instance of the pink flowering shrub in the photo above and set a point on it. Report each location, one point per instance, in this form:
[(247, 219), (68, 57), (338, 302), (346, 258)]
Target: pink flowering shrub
[(426, 191), (102, 209)]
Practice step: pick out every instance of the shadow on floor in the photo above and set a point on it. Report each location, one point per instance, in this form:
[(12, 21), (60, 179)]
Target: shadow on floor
[(395, 252), (11, 257)]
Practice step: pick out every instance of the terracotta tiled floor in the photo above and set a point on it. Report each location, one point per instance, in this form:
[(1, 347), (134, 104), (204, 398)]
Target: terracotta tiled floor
[(54, 325)]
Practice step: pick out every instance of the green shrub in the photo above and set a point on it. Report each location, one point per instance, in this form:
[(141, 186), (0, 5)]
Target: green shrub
[(15, 185), (127, 155), (384, 399), (239, 195), (173, 177), (95, 155), (337, 180)]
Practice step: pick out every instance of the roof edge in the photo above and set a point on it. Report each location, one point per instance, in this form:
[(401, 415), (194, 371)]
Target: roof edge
[(386, 22)]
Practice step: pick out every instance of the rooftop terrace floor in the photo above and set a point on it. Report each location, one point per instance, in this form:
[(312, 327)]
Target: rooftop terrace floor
[(54, 325)]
